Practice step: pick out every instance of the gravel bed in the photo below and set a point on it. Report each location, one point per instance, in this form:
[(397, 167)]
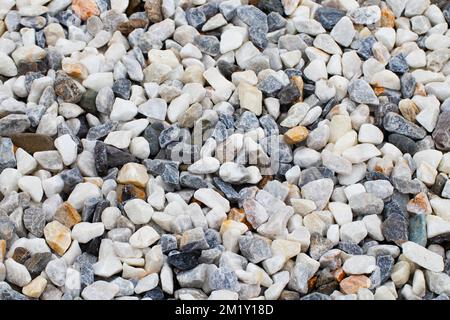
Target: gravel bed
[(224, 149)]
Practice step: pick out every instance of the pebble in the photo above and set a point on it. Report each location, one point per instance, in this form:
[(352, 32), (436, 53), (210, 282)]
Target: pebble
[(365, 15), (100, 290), (32, 185), (359, 264), (144, 237), (422, 256), (318, 191), (84, 232), (16, 273), (57, 237), (361, 92), (395, 123)]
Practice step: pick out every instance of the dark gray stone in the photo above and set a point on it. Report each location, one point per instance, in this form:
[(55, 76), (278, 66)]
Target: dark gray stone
[(395, 123), (183, 260), (398, 64), (365, 47), (386, 265), (395, 228), (195, 17), (7, 158), (405, 144), (191, 181), (122, 88), (168, 243), (441, 133), (408, 85), (328, 16), (14, 123), (37, 263), (275, 21), (34, 221), (169, 135), (254, 248), (270, 86), (208, 44), (350, 247), (167, 169), (229, 192), (6, 228), (223, 279), (101, 130)]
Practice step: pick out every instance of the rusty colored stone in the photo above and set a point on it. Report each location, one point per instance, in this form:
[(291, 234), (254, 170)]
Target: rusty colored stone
[(339, 274), (387, 18), (33, 142), (419, 204), (312, 282), (264, 181), (238, 214), (67, 215), (85, 8), (352, 284), (76, 70), (378, 90), (153, 10), (127, 27), (129, 191), (296, 135)]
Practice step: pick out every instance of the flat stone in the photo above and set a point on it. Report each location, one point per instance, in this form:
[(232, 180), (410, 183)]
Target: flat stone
[(100, 290), (423, 257), (395, 123), (32, 142)]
